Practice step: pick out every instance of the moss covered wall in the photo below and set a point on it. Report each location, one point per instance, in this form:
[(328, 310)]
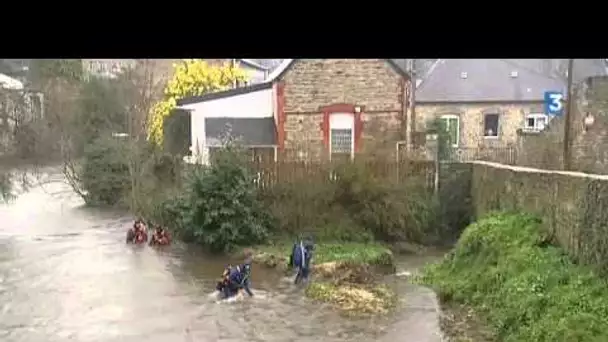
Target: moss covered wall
[(573, 206), (455, 198)]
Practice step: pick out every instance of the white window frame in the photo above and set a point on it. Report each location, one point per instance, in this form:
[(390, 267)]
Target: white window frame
[(342, 121), (497, 126), (447, 118), (535, 116)]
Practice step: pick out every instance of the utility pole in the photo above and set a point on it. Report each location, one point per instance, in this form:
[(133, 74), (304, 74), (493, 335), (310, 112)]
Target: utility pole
[(412, 102), (568, 118)]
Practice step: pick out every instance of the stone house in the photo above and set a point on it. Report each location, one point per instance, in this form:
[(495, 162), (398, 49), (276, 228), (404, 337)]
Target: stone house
[(318, 108), (484, 103), (588, 133)]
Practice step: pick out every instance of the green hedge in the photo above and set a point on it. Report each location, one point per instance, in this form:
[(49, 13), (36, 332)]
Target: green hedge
[(527, 289), (572, 206)]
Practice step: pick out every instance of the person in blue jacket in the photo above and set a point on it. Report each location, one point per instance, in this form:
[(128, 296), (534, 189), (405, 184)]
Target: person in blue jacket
[(301, 256), (236, 279)]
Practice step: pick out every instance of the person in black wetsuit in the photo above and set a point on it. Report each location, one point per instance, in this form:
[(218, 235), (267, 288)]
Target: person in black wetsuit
[(160, 237), (301, 257), (236, 279)]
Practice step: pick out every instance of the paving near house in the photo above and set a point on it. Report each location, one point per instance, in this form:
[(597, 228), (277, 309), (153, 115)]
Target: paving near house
[(419, 320)]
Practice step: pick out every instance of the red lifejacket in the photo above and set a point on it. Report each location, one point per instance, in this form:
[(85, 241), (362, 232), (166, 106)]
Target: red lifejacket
[(162, 238), (141, 236)]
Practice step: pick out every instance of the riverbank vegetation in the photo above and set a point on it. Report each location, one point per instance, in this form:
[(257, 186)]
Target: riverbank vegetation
[(345, 275), (111, 135), (217, 206), (507, 270), (373, 253)]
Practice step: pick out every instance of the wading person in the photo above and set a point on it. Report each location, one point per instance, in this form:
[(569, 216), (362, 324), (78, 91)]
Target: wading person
[(160, 237), (224, 280), (301, 256), (237, 279), (138, 233)]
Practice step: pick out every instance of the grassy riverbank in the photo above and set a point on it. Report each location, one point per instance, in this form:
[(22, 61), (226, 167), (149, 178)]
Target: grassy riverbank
[(506, 270), (345, 274), (361, 253)]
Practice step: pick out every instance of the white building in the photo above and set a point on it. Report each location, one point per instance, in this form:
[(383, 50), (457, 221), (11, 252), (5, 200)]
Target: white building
[(244, 113), (18, 103), (247, 113)]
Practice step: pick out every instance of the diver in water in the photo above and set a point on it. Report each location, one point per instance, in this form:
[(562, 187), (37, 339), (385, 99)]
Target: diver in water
[(224, 280), (160, 237), (138, 233), (236, 279), (301, 256)]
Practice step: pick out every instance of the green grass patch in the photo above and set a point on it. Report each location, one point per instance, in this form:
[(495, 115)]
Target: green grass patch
[(506, 268), (360, 253)]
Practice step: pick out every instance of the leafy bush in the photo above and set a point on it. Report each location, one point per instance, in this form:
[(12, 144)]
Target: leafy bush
[(123, 172), (105, 175), (506, 267), (391, 211), (219, 208), (357, 206)]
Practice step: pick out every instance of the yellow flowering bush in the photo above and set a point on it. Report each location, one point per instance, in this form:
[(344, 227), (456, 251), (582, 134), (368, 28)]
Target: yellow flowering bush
[(192, 77)]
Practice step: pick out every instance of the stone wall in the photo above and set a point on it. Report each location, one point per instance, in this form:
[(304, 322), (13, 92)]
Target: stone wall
[(573, 206), (511, 119), (314, 83)]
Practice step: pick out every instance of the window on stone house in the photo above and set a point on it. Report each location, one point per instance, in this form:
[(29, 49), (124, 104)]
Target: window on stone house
[(490, 125), (451, 123), (341, 142), (535, 122)]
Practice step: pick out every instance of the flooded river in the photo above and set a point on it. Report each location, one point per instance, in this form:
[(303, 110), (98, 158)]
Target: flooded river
[(67, 275)]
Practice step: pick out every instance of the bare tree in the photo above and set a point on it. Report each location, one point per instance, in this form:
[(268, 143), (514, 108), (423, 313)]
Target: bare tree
[(20, 109)]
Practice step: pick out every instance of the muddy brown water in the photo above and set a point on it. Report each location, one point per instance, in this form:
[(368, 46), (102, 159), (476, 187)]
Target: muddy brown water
[(67, 275)]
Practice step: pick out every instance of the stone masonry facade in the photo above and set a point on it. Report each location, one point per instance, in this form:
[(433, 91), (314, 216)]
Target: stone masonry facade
[(471, 121), (371, 84), (589, 144)]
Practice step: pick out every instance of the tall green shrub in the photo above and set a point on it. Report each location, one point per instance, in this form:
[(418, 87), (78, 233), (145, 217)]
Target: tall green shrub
[(390, 210), (123, 172), (219, 207), (358, 203), (104, 176)]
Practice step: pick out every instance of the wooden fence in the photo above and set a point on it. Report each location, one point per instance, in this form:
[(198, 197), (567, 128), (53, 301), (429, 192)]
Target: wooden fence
[(272, 173)]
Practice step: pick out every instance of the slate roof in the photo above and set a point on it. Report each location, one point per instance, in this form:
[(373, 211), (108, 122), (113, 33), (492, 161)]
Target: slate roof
[(250, 131), (268, 64), (254, 64), (489, 80)]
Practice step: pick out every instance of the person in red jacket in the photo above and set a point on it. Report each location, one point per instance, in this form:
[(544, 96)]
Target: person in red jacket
[(138, 233), (160, 237)]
